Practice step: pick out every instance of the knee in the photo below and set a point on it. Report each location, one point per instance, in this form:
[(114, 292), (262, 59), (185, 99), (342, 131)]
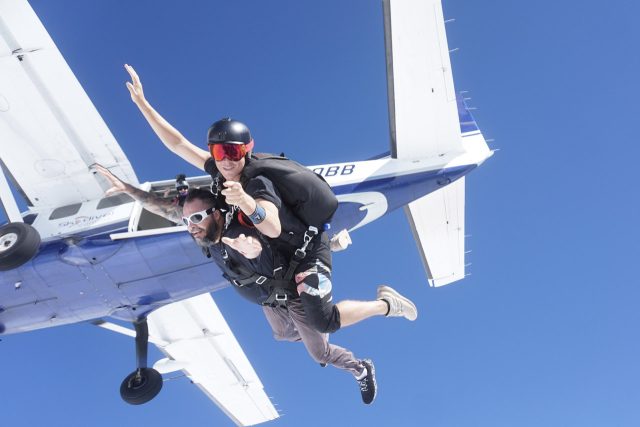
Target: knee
[(320, 353), (288, 333), (321, 315), (322, 324), (319, 356)]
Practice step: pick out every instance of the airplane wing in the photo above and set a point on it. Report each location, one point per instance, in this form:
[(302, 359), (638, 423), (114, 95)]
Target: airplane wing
[(196, 338), (50, 130), (425, 124)]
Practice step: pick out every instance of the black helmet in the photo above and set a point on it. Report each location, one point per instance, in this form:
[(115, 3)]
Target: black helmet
[(229, 131)]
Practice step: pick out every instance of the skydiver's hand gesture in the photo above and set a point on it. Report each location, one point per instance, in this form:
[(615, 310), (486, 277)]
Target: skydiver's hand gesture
[(247, 246), (234, 195), (134, 86), (117, 185)]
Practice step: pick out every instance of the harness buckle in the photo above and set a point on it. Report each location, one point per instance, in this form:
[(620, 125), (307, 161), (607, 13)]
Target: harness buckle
[(281, 297), (308, 236), (260, 280), (277, 273), (235, 282), (215, 185), (310, 233)]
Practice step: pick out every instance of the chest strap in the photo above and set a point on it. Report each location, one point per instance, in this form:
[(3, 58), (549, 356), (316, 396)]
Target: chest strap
[(301, 253), (279, 295), (280, 292), (254, 279)]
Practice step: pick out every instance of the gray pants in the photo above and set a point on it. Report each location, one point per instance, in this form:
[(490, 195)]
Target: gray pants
[(291, 324)]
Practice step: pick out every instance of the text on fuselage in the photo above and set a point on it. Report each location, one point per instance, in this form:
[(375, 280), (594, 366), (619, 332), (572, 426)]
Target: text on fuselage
[(338, 170)]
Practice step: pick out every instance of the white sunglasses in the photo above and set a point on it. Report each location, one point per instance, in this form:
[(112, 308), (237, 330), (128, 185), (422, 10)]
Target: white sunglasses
[(197, 217)]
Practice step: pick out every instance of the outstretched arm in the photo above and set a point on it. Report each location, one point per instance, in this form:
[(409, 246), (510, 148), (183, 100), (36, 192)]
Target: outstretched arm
[(163, 207), (170, 136)]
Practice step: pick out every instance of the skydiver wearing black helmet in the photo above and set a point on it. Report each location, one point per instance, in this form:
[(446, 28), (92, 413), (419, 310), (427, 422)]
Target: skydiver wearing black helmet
[(259, 200)]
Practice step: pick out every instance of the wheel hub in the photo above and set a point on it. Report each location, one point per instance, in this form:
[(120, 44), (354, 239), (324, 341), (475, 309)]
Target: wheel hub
[(7, 241), (137, 382)]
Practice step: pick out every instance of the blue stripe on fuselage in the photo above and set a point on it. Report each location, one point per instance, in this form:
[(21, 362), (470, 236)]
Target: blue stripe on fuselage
[(398, 190)]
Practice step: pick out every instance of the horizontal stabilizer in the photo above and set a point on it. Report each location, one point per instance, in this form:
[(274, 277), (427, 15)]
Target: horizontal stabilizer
[(437, 222), (198, 338)]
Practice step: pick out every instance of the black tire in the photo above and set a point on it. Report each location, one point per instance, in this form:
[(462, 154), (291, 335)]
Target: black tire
[(138, 390), (19, 242)]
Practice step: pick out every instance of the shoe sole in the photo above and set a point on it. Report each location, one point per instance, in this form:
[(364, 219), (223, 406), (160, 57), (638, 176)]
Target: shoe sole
[(387, 291), (369, 365)]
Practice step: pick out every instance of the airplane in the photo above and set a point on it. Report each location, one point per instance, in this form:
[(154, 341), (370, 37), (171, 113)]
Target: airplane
[(77, 256)]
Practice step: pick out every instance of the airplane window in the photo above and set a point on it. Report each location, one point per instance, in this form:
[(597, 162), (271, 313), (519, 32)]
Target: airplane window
[(65, 211), (117, 200)]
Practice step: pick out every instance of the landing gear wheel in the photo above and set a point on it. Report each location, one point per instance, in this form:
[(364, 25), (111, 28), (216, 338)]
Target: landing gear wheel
[(141, 386), (19, 242)]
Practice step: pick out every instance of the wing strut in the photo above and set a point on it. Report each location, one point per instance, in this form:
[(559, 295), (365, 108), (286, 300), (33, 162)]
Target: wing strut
[(8, 201)]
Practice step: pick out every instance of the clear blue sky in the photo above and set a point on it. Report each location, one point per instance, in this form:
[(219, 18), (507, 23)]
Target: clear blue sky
[(544, 331)]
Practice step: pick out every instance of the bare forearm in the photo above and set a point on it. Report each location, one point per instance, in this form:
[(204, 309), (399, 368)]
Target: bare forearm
[(159, 206), (169, 135), (270, 226)]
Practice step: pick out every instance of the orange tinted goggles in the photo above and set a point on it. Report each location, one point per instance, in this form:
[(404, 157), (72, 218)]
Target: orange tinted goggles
[(233, 152)]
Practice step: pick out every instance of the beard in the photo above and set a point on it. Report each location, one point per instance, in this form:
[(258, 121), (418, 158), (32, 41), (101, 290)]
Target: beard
[(211, 236)]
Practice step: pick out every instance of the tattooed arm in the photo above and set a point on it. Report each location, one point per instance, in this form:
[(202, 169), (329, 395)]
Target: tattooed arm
[(159, 206)]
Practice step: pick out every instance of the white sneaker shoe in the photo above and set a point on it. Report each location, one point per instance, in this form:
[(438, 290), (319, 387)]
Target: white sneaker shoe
[(399, 306)]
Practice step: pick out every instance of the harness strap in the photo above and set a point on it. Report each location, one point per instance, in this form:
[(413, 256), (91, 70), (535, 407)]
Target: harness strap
[(248, 279), (278, 297), (301, 253), (280, 293), (253, 279)]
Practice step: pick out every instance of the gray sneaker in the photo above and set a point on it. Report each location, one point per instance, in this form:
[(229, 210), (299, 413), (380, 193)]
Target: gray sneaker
[(399, 306)]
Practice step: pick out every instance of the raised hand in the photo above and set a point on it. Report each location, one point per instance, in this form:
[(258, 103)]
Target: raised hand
[(135, 85), (117, 186), (234, 194), (247, 246)]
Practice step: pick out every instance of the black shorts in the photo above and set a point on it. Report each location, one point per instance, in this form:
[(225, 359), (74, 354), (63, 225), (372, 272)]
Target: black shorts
[(314, 284)]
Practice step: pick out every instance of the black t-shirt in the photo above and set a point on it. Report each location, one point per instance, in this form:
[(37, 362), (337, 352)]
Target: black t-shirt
[(261, 187), (264, 264)]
